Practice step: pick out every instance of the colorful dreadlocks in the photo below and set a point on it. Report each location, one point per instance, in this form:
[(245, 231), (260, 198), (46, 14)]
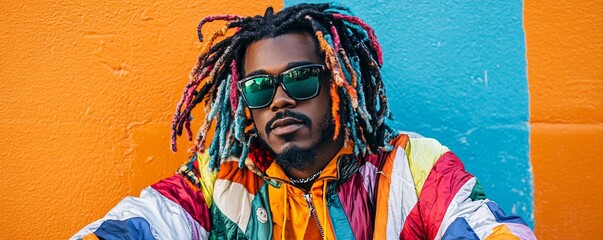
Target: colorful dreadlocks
[(352, 55)]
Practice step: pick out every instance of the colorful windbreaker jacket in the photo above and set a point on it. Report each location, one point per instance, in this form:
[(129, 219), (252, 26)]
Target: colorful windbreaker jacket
[(419, 190)]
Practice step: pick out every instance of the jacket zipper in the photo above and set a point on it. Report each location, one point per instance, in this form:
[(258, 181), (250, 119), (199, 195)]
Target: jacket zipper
[(308, 198)]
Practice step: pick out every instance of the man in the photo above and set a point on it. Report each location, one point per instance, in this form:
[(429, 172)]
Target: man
[(307, 153)]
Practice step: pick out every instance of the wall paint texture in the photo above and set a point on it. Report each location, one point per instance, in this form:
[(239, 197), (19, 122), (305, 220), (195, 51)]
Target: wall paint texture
[(565, 54), (456, 71), (88, 90)]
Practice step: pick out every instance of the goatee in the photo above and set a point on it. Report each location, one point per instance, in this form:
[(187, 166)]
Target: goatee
[(295, 157)]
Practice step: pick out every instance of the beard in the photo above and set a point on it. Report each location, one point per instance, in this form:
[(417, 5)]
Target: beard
[(295, 157)]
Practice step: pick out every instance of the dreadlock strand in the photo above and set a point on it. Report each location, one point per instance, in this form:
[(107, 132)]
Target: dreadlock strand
[(334, 61), (188, 93), (337, 72), (234, 94), (384, 109), (336, 44), (362, 111), (330, 56), (326, 48), (219, 33), (200, 95), (213, 149), (214, 52), (355, 90), (351, 124), (346, 136), (369, 87), (320, 7), (245, 152), (211, 51), (336, 41), (209, 117), (371, 71), (214, 18), (368, 29), (185, 118), (208, 59), (225, 121), (217, 144), (229, 140), (239, 127), (350, 69), (335, 109), (219, 64), (202, 136), (215, 106), (306, 13), (338, 8)]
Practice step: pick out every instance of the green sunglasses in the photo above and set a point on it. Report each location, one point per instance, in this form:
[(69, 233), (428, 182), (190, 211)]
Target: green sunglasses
[(300, 83)]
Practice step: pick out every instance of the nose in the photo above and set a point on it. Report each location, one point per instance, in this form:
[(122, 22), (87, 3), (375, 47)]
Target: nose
[(282, 100)]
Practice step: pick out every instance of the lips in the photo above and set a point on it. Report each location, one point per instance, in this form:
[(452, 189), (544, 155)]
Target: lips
[(286, 125), (287, 122)]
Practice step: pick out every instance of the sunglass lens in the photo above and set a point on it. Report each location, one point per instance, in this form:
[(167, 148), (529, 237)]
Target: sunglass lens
[(302, 83), (258, 91)]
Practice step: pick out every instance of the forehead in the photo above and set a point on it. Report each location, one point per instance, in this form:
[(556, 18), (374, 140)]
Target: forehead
[(272, 55)]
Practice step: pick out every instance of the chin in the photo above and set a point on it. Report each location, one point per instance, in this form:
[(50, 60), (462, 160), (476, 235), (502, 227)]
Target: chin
[(295, 157), (300, 145), (292, 141)]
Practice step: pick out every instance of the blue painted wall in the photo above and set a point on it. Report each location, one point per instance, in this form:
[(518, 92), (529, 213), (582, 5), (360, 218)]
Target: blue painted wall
[(456, 71)]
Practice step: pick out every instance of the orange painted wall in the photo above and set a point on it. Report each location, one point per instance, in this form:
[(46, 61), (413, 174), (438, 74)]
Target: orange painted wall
[(565, 55), (88, 89)]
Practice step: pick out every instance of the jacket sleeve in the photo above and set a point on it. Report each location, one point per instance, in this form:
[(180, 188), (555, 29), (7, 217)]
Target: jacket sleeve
[(450, 202), (173, 208)]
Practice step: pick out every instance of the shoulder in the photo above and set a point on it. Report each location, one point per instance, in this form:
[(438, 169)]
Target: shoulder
[(414, 142), (419, 157), (424, 152), (197, 173), (419, 151), (235, 191), (230, 176)]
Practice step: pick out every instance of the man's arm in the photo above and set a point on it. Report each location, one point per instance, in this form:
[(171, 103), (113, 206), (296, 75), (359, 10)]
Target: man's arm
[(173, 208), (449, 203)]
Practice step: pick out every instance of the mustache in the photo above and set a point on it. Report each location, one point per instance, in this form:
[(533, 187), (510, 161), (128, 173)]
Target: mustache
[(305, 120)]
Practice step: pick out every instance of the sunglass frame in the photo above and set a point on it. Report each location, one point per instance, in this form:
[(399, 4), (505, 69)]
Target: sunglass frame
[(278, 80)]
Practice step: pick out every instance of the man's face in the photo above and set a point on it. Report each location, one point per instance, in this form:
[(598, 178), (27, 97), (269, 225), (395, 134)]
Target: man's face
[(285, 123)]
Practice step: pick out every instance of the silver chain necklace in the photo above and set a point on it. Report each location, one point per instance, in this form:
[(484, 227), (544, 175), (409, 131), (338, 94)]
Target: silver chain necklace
[(306, 180)]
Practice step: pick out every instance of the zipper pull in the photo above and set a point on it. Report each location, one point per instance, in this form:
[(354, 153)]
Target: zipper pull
[(308, 198)]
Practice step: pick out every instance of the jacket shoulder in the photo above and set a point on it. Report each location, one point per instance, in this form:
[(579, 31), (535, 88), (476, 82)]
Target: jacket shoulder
[(419, 155)]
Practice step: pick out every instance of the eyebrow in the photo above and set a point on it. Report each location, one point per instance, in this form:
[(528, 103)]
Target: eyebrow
[(289, 66)]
